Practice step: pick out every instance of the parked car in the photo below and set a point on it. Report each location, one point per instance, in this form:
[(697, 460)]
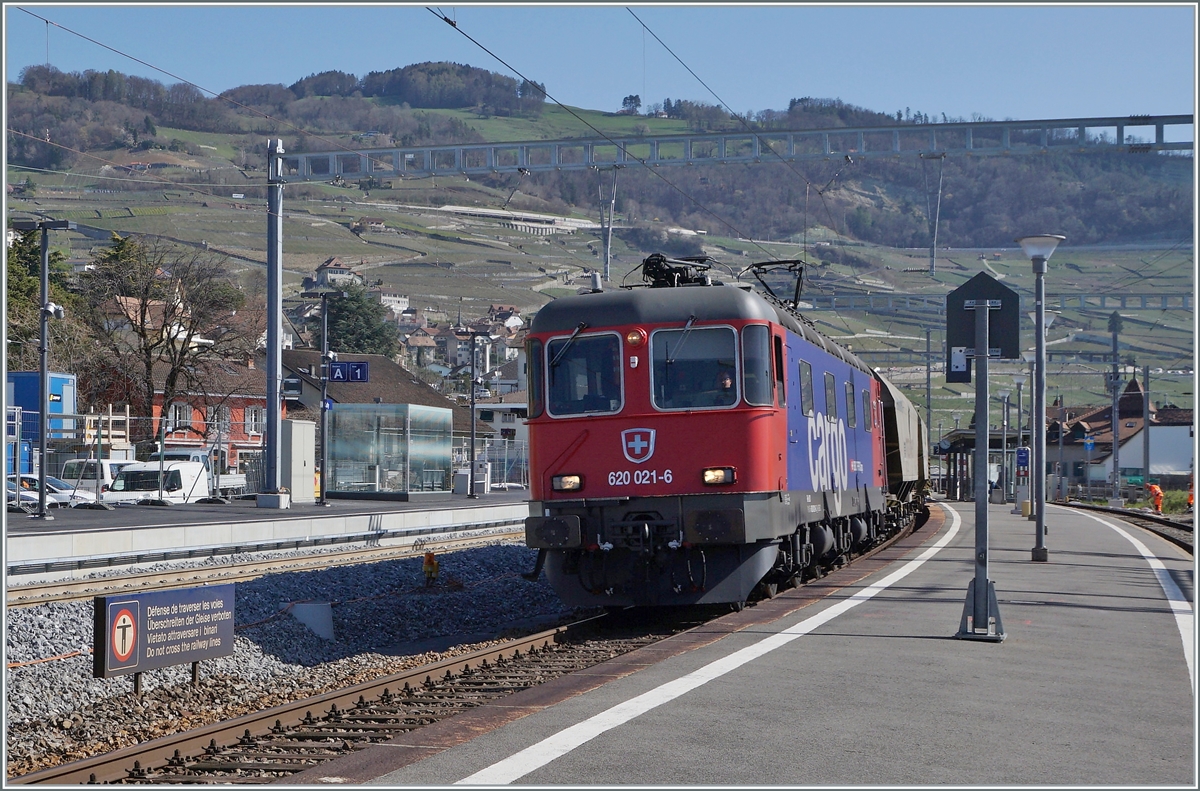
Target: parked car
[(57, 490), (26, 498), (182, 482), (81, 473)]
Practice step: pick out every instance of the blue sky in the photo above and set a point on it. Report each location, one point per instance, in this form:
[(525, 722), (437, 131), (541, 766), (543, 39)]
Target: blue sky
[(1022, 61)]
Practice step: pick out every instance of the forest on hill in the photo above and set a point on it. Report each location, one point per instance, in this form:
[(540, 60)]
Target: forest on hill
[(986, 201)]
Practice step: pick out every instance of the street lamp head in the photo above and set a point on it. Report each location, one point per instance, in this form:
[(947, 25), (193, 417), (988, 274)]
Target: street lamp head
[(1004, 394), (1047, 319), (1040, 245), (1029, 357), (54, 310), (1020, 379)]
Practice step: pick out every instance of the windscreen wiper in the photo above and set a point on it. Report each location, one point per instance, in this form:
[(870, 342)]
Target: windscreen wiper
[(554, 363), (687, 328)]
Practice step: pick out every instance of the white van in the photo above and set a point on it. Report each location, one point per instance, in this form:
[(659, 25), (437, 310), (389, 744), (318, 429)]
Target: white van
[(182, 482), (231, 483), (81, 473)]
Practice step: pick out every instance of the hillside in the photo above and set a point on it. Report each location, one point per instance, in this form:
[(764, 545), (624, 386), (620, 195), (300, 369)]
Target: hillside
[(199, 183), (95, 119)]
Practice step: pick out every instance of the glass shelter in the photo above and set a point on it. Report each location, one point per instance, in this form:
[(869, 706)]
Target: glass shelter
[(389, 451)]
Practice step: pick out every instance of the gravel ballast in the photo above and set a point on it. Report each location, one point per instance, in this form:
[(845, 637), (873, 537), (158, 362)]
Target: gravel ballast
[(385, 620)]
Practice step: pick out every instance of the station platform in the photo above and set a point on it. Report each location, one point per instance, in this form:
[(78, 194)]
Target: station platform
[(78, 540), (1094, 682)]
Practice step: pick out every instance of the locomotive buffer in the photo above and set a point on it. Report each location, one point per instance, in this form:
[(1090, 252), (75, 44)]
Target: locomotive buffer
[(969, 326)]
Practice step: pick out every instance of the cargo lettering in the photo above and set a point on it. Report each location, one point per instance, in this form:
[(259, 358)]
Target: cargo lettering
[(828, 462)]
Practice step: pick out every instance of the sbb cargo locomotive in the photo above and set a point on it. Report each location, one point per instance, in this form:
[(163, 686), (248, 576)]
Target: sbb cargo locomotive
[(690, 440)]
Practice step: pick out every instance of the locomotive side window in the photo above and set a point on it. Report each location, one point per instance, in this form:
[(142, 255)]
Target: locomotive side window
[(866, 396), (757, 377), (831, 409), (694, 368), (584, 374), (779, 371), (533, 358), (851, 414), (806, 389)]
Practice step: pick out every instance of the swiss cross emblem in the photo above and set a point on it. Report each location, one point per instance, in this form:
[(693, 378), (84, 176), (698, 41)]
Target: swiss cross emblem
[(637, 444)]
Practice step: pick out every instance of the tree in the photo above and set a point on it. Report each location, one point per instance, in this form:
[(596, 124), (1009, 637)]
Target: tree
[(358, 324), (159, 315), (24, 265), (631, 103)]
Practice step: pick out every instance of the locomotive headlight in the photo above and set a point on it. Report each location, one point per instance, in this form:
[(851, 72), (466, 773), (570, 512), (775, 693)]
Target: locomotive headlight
[(635, 337), (714, 476), (566, 483)]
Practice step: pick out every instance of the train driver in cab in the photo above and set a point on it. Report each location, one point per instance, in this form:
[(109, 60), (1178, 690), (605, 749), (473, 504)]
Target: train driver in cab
[(722, 392)]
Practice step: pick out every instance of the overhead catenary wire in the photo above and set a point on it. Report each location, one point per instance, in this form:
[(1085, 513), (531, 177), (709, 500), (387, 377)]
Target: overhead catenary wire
[(621, 148), (740, 119)]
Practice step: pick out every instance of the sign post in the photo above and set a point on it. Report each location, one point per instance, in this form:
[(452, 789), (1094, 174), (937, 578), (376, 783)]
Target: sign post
[(135, 632), (969, 336)]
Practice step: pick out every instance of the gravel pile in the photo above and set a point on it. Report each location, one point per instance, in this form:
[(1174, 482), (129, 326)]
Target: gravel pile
[(385, 620)]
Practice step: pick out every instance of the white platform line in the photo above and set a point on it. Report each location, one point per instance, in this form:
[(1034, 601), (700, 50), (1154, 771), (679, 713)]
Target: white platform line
[(522, 763), (1180, 606)]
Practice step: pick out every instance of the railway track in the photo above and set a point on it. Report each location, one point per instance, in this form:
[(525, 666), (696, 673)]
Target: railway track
[(69, 590), (1179, 532), (279, 742)]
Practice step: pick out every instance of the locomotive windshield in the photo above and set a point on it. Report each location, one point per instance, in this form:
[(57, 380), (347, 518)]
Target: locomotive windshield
[(694, 368), (584, 374)]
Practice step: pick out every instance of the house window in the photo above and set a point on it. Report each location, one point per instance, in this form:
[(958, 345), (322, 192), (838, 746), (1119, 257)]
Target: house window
[(487, 415), (508, 417), (255, 418), (180, 417), (217, 418)]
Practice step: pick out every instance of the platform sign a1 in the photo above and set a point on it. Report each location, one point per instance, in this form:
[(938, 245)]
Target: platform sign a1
[(358, 372), (136, 632), (1004, 327)]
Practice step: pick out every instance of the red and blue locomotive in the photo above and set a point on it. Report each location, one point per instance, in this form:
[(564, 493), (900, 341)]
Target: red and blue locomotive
[(691, 440)]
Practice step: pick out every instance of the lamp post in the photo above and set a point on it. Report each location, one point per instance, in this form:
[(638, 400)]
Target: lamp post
[(48, 309), (327, 357), (1004, 476), (1061, 494), (1019, 380), (1039, 248)]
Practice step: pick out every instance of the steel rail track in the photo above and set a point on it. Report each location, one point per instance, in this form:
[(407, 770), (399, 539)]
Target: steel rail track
[(281, 741), (401, 702), (1178, 532), (70, 590)]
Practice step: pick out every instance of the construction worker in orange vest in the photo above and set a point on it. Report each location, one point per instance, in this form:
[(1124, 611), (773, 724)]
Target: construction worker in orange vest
[(1191, 496), (1156, 496)]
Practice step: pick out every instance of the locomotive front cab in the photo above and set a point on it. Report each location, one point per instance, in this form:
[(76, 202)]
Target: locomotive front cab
[(656, 445)]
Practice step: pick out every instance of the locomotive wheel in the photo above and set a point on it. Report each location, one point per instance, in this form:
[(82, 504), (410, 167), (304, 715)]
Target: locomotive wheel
[(769, 589), (737, 606)]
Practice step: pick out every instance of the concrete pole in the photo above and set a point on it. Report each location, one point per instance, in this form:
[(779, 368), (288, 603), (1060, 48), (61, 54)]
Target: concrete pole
[(324, 396), (471, 472), (1062, 421), (1037, 421), (43, 381), (1145, 427), (1116, 419), (272, 435), (928, 391), (612, 207)]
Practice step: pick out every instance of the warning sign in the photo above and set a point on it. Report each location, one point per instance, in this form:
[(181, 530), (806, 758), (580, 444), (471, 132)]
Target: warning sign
[(162, 628)]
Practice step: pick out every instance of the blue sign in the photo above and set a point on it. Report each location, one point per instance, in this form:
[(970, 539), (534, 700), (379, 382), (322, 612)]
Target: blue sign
[(327, 404), (358, 372), (1022, 457), (134, 632), (1089, 443), (339, 372)]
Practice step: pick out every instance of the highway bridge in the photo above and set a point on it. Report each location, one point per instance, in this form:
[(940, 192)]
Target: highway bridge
[(1135, 134)]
